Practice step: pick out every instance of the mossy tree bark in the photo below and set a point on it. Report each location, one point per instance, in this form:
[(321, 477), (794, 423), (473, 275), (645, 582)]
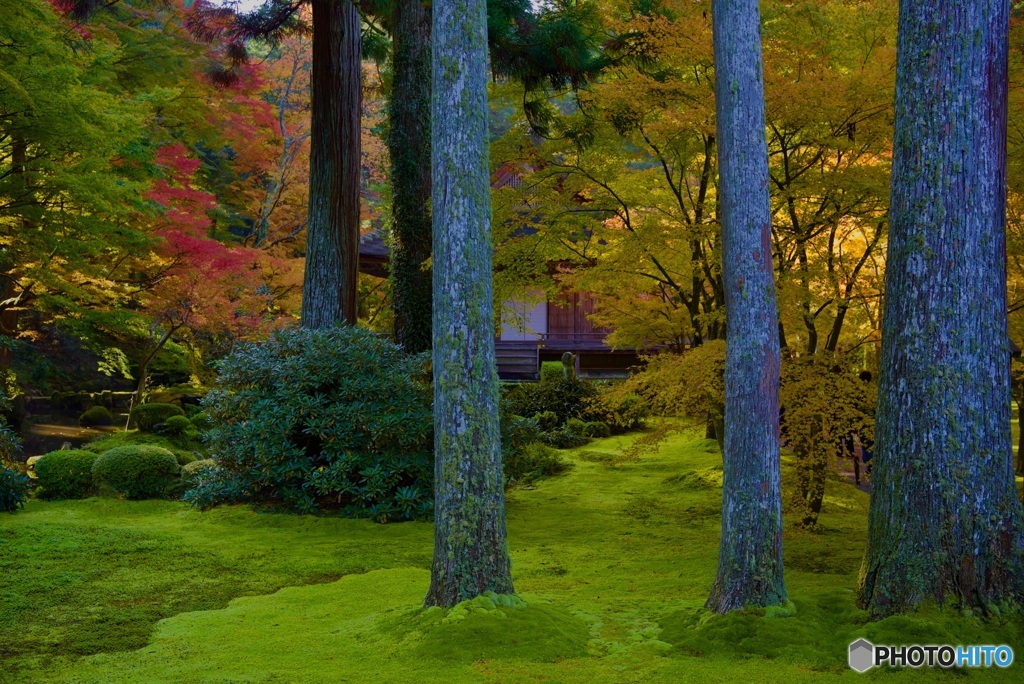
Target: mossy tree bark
[(409, 149), (332, 233), (945, 523), (470, 548), (750, 555)]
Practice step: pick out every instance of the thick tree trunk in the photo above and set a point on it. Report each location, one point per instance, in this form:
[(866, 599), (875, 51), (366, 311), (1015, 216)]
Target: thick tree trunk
[(470, 548), (332, 234), (409, 148), (945, 523), (750, 555), (1020, 440)]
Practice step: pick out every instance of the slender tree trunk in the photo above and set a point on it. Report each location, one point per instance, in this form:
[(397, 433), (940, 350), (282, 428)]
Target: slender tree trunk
[(409, 148), (945, 522), (332, 235), (832, 342), (811, 471), (750, 555), (470, 548), (147, 359), (805, 305), (23, 182)]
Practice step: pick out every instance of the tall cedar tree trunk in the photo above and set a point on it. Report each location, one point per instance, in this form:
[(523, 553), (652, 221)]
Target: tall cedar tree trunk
[(945, 523), (750, 555), (1020, 440), (409, 148), (332, 235), (470, 549)]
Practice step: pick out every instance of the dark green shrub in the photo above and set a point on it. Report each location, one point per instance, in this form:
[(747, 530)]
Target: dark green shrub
[(97, 415), (322, 419), (534, 461), (14, 486), (14, 489), (148, 416), (517, 432), (565, 397), (548, 420), (66, 474), (137, 472), (596, 429), (10, 443), (201, 421), (174, 426), (192, 472), (563, 438)]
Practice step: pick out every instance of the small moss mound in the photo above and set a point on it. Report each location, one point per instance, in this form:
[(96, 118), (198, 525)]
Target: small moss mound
[(65, 474), (201, 421), (494, 627), (191, 472), (137, 472), (96, 416), (595, 456), (183, 457), (693, 480), (176, 426), (815, 632), (147, 416)]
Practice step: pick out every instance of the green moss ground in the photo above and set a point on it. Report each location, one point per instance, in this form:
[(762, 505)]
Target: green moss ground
[(613, 561)]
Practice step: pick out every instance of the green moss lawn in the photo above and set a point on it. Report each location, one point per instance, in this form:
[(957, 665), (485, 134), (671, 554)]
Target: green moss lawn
[(613, 560)]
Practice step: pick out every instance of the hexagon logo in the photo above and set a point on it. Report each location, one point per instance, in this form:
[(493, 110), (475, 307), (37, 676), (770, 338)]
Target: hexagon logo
[(862, 655)]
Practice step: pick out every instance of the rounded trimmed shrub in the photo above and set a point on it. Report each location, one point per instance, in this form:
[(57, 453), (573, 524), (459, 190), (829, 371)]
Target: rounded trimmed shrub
[(97, 415), (596, 429), (66, 474), (175, 426), (137, 472), (148, 416), (575, 426), (313, 420)]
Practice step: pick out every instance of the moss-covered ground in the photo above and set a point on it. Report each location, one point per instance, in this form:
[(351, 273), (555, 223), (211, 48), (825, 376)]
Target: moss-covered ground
[(613, 562)]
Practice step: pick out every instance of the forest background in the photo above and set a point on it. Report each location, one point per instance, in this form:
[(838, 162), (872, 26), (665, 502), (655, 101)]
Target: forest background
[(153, 214)]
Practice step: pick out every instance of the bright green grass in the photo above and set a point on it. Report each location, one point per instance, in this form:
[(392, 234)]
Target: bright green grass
[(614, 563)]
